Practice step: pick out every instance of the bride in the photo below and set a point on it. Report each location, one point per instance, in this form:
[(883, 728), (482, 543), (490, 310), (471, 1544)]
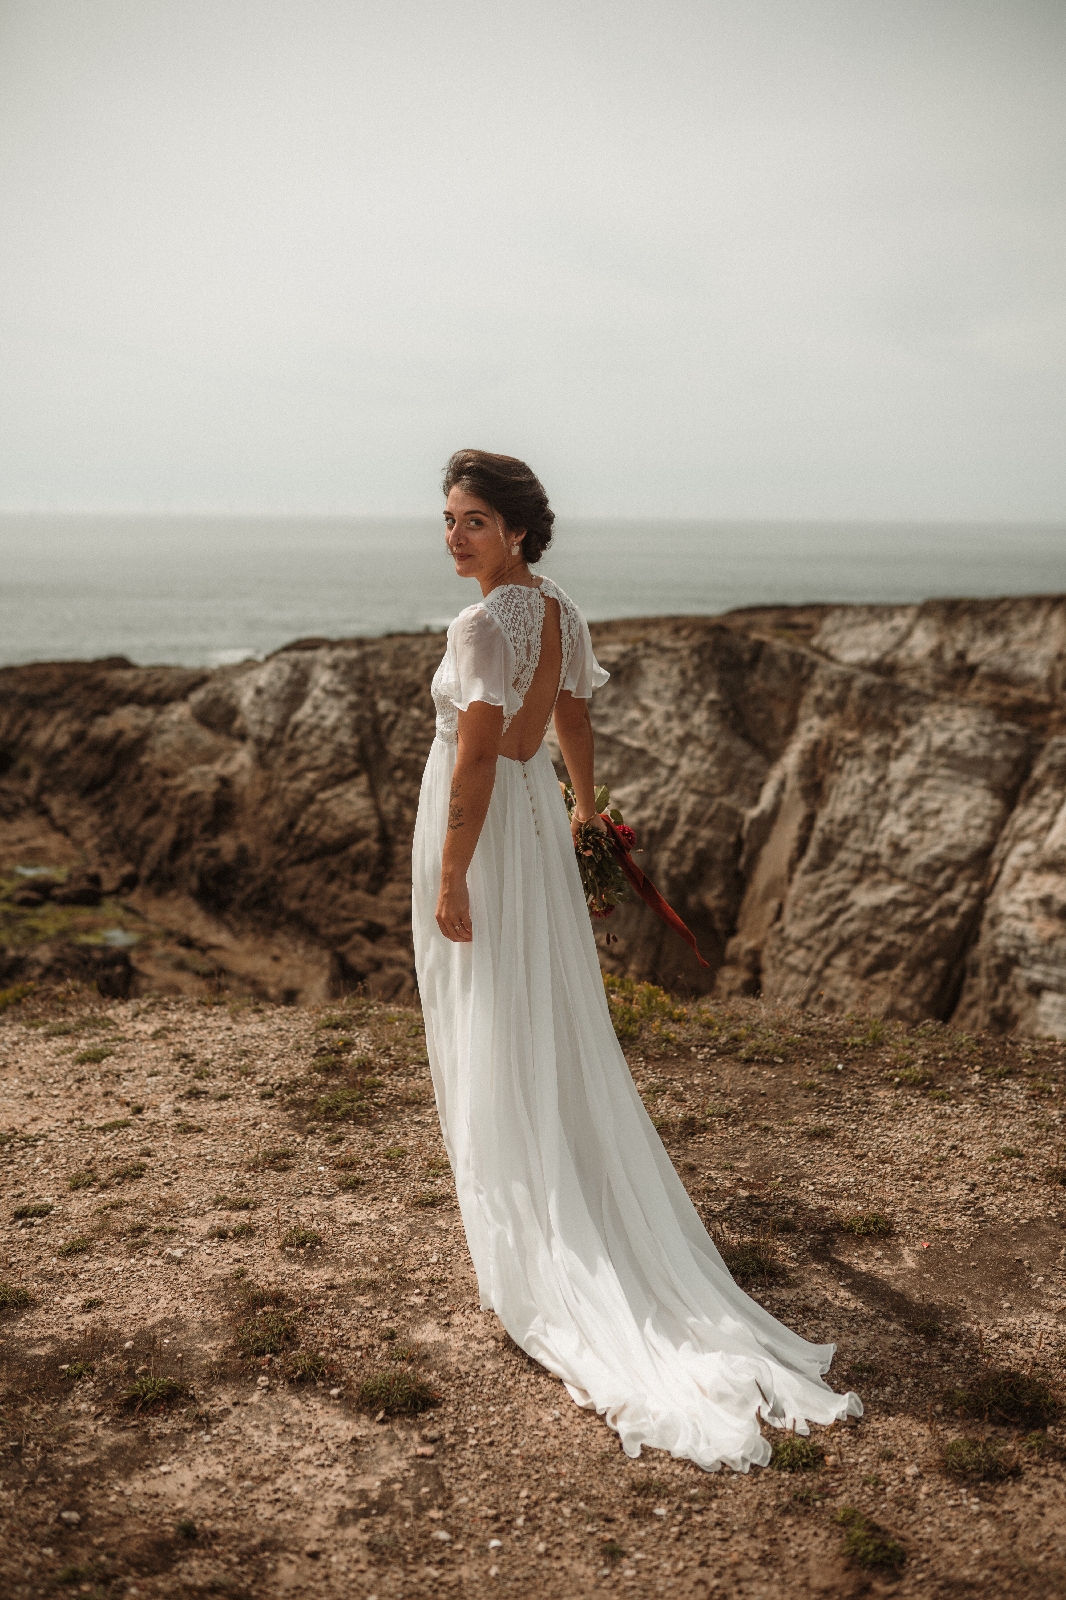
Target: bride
[(585, 1243)]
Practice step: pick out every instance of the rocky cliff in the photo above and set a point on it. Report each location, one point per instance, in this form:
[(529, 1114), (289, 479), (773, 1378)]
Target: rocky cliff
[(858, 807)]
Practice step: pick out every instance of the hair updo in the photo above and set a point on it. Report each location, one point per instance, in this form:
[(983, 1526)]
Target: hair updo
[(509, 487)]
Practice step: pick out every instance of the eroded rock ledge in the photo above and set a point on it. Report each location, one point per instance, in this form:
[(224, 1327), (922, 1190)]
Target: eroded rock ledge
[(855, 807)]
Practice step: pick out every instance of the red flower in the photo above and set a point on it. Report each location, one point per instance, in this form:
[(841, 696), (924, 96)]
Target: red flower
[(626, 834)]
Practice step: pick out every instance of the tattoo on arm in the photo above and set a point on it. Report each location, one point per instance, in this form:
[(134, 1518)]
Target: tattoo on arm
[(455, 811)]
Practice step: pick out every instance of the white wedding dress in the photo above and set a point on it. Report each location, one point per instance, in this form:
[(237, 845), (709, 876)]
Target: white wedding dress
[(585, 1243)]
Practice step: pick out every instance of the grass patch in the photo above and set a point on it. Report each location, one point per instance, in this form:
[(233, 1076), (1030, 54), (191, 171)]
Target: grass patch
[(868, 1225), (275, 1160), (328, 1063), (1001, 1395), (237, 1230), (154, 1394), (427, 1200), (12, 1298), (1057, 1176), (636, 1006), (911, 1077), (611, 1550), (127, 1173), (76, 1370), (82, 1180), (350, 1180), (979, 1460), (259, 1297), (796, 1453), (113, 1127), (93, 1303), (14, 995), (266, 1333), (648, 1488), (36, 1208), (234, 1202), (867, 1543), (752, 1261), (187, 1127), (76, 1246), (395, 1152), (396, 1392), (818, 1130), (341, 1105), (928, 1327), (305, 1366), (95, 1053), (301, 1239)]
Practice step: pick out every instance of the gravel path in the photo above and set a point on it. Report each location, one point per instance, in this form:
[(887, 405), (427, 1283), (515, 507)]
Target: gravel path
[(247, 1260)]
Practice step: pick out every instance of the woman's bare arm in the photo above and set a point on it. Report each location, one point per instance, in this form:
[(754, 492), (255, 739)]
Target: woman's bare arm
[(573, 727), (480, 732)]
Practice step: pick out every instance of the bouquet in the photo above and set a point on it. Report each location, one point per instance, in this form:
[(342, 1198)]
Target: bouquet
[(608, 871), (602, 878)]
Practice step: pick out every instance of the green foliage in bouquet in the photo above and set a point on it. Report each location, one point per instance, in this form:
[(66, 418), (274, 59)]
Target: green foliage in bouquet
[(602, 878)]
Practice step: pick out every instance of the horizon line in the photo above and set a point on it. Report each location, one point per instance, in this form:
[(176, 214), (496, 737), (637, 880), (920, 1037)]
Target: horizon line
[(747, 518)]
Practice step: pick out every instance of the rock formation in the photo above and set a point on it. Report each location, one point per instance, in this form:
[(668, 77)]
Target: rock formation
[(856, 807)]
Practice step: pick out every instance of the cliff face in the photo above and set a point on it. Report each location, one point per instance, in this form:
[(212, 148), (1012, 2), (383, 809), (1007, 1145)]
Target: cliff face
[(853, 807)]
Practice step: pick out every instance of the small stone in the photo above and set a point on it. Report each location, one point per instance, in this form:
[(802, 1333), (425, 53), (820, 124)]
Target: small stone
[(495, 1544), (439, 1533), (431, 1435), (72, 1517), (540, 1547), (335, 1394), (128, 1345), (263, 1382), (494, 1572), (426, 1450), (312, 1550), (660, 1511)]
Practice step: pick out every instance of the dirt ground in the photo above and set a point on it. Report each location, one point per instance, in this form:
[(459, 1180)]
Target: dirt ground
[(247, 1255)]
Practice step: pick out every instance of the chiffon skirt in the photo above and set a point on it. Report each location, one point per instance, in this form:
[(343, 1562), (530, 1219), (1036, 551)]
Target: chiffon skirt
[(585, 1243)]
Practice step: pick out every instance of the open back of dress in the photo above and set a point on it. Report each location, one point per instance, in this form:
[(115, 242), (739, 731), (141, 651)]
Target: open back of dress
[(584, 1240)]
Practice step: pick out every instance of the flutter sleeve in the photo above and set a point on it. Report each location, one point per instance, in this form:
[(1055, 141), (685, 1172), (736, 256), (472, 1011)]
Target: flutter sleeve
[(584, 673), (484, 663)]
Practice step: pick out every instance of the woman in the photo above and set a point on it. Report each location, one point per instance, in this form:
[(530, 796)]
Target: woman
[(585, 1243)]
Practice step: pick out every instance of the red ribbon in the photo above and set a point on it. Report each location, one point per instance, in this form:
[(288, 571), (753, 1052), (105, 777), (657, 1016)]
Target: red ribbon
[(648, 892)]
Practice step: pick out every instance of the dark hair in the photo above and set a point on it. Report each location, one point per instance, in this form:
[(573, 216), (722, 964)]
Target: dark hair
[(509, 487)]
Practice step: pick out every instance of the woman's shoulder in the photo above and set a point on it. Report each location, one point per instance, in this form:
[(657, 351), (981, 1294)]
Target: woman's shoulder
[(474, 622), (555, 592)]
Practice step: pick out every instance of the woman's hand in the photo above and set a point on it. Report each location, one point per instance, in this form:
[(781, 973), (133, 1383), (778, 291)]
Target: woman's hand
[(453, 913), (593, 817)]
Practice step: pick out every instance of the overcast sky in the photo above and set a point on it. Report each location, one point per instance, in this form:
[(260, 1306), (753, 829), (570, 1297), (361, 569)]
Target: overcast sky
[(766, 258)]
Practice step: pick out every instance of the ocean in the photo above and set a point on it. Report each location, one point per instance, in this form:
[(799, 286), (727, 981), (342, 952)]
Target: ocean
[(208, 590)]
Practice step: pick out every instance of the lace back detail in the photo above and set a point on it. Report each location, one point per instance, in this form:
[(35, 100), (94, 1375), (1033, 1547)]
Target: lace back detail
[(520, 613)]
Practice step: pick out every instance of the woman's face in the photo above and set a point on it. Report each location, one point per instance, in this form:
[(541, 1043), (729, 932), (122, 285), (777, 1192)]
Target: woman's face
[(481, 544)]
